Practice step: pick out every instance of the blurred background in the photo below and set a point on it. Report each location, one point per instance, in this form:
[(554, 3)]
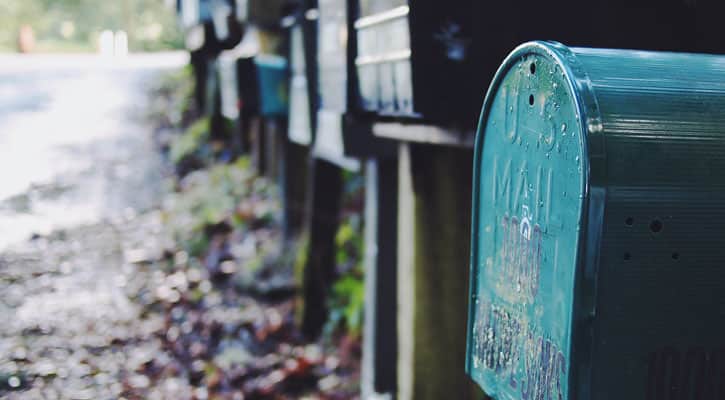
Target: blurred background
[(77, 25), (264, 199), (146, 249)]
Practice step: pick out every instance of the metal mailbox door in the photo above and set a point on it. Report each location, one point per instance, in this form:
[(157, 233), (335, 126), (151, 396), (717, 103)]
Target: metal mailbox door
[(530, 185)]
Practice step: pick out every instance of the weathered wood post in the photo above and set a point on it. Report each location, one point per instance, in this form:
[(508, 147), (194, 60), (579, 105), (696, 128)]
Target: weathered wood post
[(258, 152), (302, 115), (325, 195), (294, 187), (328, 160), (274, 141), (433, 253), (199, 68)]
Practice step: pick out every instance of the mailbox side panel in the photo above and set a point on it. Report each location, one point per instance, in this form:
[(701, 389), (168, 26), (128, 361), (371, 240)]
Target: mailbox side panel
[(529, 196), (334, 80), (228, 81), (300, 120), (333, 55), (659, 325)]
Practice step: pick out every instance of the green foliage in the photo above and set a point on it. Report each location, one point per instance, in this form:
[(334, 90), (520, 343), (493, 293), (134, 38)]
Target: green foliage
[(228, 193), (353, 190), (347, 304), (177, 89), (349, 243), (347, 300), (190, 141), (301, 253), (352, 289), (170, 82), (197, 242), (69, 25)]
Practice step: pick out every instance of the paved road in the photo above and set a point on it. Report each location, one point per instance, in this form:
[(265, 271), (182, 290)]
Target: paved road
[(72, 148), (77, 167)]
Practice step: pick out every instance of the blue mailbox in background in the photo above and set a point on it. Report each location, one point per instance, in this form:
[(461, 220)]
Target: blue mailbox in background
[(272, 76)]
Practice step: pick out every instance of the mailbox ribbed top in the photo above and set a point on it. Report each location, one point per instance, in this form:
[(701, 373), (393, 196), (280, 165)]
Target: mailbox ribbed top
[(671, 104)]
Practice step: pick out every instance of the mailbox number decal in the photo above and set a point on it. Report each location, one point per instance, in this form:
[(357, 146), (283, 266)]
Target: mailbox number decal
[(528, 225)]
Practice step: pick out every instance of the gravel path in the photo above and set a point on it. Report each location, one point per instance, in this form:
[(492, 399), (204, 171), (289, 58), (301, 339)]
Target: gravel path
[(79, 176)]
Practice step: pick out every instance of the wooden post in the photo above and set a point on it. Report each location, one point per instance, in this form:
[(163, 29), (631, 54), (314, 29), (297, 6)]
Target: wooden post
[(380, 340), (273, 148), (294, 183), (243, 132), (325, 197), (434, 215), (256, 139), (236, 137), (217, 124), (286, 163), (200, 68)]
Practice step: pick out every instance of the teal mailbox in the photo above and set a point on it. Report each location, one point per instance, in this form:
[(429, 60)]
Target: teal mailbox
[(598, 245), (273, 79)]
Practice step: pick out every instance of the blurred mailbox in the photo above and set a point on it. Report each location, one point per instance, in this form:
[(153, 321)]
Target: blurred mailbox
[(209, 24), (195, 12), (597, 246), (300, 123), (221, 13), (273, 80), (254, 85), (340, 132), (413, 57), (228, 30), (333, 65), (228, 64), (247, 86), (265, 13)]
